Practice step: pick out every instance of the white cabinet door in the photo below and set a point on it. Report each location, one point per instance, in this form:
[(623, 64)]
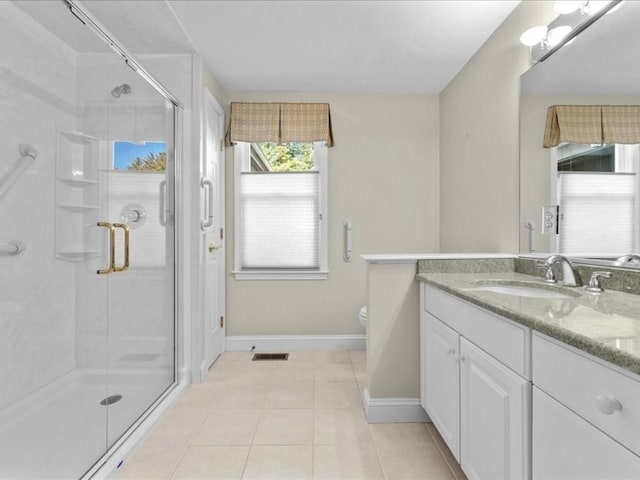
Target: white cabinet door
[(567, 447), (441, 379), (495, 424)]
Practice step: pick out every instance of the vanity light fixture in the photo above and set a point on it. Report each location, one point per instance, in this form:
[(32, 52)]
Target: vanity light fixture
[(534, 35), (573, 18), (556, 35), (564, 7), (544, 37), (591, 7)]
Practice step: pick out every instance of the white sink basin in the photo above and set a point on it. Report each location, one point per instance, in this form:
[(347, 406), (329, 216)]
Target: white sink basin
[(522, 289)]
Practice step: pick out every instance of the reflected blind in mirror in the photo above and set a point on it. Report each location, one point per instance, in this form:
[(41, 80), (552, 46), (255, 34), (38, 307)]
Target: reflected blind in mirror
[(597, 212)]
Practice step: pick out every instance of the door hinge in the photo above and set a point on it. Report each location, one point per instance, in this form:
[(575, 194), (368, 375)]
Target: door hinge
[(222, 145), (221, 322), (222, 234)]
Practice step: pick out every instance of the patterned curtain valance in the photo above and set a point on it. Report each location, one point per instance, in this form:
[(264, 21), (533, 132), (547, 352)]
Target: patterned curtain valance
[(279, 123), (592, 124), (621, 124)]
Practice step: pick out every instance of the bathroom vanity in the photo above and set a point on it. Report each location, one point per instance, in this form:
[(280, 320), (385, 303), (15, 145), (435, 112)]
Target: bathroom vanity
[(527, 380)]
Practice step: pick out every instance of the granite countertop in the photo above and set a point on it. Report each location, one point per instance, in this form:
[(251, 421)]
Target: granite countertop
[(606, 325)]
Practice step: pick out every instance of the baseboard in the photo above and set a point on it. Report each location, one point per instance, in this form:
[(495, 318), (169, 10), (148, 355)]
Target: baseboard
[(244, 343), (393, 410)]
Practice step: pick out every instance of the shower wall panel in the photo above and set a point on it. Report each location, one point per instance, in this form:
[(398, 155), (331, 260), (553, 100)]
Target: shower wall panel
[(37, 291)]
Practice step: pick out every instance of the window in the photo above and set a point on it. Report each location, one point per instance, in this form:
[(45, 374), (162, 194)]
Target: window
[(140, 157), (597, 192), (280, 210)]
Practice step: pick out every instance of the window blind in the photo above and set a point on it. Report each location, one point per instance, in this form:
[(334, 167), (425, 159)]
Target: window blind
[(597, 212), (280, 220)]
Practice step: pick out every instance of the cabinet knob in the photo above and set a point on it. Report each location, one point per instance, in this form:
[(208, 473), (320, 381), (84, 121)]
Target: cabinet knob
[(451, 351), (607, 405), (213, 248)]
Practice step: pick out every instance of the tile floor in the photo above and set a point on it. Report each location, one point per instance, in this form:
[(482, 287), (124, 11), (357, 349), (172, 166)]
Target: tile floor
[(298, 419)]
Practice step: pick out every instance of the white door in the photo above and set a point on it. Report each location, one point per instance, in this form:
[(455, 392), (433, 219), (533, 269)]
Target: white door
[(441, 380), (213, 240), (494, 419)]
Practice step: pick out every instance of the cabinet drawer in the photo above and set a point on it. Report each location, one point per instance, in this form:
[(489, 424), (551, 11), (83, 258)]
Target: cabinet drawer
[(589, 389), (507, 341), (567, 447)]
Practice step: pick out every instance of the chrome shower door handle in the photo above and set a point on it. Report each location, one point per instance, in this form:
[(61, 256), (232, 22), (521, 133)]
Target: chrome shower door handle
[(162, 214), (112, 248), (208, 186), (125, 266)]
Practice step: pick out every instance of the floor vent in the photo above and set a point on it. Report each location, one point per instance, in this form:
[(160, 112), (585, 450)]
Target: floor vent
[(270, 356), (110, 400)]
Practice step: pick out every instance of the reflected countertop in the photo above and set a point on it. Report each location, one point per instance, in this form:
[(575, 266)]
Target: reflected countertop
[(606, 325)]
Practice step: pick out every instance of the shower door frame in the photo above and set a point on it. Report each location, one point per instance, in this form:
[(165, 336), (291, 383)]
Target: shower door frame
[(178, 108)]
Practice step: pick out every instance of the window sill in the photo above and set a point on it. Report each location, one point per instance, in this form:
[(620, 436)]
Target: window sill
[(281, 275)]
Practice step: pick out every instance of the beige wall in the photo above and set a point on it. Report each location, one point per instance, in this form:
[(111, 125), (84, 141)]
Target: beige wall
[(211, 83), (393, 331), (383, 174), (479, 140)]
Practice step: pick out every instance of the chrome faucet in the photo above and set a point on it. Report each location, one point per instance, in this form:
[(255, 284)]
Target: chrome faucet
[(570, 275), (629, 258)]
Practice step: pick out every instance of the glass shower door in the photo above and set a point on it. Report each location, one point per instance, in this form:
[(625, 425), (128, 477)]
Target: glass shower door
[(83, 355), (140, 291)]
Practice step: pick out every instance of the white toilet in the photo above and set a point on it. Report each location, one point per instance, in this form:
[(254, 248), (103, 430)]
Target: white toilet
[(362, 316)]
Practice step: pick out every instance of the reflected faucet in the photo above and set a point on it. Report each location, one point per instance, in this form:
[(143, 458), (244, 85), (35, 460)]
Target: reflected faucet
[(570, 274), (629, 258)]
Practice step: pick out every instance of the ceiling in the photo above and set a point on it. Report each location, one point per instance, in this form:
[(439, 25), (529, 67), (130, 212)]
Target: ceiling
[(142, 26), (338, 46)]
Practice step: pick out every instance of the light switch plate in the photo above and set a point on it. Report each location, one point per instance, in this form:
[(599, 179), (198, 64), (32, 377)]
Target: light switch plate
[(550, 219)]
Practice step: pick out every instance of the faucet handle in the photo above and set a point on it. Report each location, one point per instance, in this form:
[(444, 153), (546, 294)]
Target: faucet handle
[(549, 276), (594, 283)]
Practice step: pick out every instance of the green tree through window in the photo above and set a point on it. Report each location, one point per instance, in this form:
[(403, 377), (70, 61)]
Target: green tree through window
[(146, 156), (153, 162), (288, 157)]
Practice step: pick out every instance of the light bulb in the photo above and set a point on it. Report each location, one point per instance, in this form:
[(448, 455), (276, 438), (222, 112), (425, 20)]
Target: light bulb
[(534, 35), (555, 35), (564, 7)]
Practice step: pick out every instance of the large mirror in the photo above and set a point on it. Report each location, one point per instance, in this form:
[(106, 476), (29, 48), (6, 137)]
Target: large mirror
[(599, 67)]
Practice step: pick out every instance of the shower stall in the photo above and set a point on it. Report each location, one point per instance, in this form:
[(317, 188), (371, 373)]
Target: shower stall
[(87, 242)]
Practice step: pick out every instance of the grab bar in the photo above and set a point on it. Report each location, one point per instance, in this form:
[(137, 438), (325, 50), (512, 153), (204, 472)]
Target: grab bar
[(11, 248), (28, 154), (531, 226), (348, 227)]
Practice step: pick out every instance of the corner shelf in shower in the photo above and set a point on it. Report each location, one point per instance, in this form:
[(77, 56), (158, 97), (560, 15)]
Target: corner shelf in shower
[(78, 182), (79, 208), (77, 255), (79, 137), (78, 192)]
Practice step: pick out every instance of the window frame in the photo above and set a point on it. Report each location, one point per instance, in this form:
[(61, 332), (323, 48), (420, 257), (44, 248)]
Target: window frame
[(242, 163)]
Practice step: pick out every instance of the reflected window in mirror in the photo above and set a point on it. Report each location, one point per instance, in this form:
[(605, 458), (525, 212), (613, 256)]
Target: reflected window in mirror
[(600, 67), (597, 193)]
